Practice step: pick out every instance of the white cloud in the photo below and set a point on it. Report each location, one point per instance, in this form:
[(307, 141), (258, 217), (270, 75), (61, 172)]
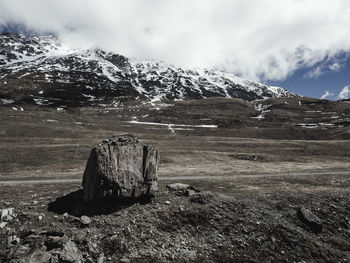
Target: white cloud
[(331, 64), (315, 72), (258, 39), (345, 93), (327, 94), (335, 67)]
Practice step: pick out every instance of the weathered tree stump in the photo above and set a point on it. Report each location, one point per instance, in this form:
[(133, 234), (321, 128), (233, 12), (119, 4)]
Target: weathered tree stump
[(121, 167)]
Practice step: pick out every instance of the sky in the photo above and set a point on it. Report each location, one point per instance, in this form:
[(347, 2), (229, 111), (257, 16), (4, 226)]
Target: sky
[(300, 45)]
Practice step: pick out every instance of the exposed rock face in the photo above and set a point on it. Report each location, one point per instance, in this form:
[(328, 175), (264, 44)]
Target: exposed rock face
[(121, 167)]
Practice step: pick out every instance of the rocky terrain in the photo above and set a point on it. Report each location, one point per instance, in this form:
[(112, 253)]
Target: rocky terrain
[(241, 220)]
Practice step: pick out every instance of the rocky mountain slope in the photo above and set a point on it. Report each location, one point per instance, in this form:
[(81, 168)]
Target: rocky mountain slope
[(40, 70)]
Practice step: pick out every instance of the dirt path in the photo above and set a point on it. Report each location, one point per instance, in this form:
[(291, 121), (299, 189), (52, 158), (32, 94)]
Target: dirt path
[(181, 178)]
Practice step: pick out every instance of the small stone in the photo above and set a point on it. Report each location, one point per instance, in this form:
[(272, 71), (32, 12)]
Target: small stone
[(65, 215), (21, 251), (190, 192), (178, 186), (125, 260), (167, 202), (7, 214), (85, 220), (71, 253), (40, 218), (127, 231), (3, 224), (53, 242), (101, 258), (311, 220), (12, 241), (39, 255), (201, 198)]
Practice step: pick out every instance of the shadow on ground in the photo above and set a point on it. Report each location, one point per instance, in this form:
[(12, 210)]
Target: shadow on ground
[(73, 204)]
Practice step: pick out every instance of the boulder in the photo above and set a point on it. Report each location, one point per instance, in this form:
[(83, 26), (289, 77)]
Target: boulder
[(121, 167)]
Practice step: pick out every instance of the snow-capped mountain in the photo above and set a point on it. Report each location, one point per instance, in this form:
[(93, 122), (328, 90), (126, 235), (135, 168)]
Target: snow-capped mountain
[(40, 70)]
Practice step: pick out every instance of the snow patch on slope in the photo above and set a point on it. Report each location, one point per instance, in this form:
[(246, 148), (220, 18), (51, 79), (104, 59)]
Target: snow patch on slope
[(152, 80)]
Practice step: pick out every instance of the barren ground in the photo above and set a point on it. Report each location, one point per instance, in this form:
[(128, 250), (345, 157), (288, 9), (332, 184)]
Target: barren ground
[(43, 143), (247, 219)]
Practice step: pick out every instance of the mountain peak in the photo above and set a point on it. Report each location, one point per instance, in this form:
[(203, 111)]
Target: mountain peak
[(45, 72)]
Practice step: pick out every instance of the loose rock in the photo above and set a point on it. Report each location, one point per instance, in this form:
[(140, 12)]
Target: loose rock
[(183, 189), (178, 186), (101, 258), (7, 214), (12, 241), (190, 192), (71, 253), (310, 219), (201, 198), (39, 255), (85, 220), (53, 242)]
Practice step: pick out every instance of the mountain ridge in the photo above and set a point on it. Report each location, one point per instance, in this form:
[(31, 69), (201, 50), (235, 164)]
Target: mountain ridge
[(41, 70)]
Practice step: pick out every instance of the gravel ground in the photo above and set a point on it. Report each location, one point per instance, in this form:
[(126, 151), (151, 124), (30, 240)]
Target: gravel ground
[(241, 220)]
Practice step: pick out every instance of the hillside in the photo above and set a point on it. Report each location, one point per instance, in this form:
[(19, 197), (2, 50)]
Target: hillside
[(41, 70)]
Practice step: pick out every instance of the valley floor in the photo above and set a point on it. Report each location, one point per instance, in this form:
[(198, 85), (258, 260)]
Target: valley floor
[(44, 143), (240, 219)]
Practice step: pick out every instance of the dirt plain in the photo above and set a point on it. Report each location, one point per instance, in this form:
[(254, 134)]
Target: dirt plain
[(244, 219), (41, 142)]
